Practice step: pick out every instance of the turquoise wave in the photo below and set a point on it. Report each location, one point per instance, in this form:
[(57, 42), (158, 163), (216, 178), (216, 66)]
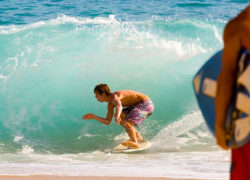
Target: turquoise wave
[(48, 71)]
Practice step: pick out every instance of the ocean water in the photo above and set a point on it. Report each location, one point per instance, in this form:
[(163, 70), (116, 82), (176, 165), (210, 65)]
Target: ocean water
[(54, 52)]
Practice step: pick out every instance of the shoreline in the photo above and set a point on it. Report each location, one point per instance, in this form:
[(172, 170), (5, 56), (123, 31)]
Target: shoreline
[(62, 177)]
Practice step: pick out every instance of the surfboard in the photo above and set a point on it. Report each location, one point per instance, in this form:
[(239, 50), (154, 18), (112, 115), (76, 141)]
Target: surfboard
[(124, 149), (237, 123)]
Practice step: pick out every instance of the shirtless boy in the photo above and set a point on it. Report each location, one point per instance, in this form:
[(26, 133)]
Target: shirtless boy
[(131, 109)]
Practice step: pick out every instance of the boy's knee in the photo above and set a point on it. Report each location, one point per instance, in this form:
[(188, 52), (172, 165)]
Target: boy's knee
[(123, 123)]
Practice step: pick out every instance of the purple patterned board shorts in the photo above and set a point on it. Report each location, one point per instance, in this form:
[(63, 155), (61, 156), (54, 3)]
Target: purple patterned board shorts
[(139, 112)]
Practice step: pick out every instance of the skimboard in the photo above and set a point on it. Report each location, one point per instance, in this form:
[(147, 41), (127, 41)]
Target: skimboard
[(124, 149), (237, 123)]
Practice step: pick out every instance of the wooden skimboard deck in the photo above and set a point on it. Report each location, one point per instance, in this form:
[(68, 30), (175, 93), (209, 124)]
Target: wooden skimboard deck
[(124, 149)]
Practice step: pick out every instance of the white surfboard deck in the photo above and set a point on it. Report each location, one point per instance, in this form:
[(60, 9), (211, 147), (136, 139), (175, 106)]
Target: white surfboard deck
[(124, 149)]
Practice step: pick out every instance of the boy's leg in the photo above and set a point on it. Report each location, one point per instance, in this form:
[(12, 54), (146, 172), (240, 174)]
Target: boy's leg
[(139, 136), (131, 131), (124, 125)]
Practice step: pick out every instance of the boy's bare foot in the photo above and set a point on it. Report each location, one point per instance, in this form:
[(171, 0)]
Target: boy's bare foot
[(141, 141), (138, 140), (130, 144)]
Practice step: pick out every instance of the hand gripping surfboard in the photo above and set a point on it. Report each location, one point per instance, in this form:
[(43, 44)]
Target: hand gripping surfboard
[(237, 123)]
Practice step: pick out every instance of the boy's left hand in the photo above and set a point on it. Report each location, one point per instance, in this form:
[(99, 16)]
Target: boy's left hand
[(88, 116)]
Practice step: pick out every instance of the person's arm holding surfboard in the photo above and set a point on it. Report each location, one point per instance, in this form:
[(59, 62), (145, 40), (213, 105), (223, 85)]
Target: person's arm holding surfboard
[(236, 36), (106, 120), (226, 81)]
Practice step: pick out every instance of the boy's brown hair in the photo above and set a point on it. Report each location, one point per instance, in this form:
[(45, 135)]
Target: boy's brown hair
[(102, 88)]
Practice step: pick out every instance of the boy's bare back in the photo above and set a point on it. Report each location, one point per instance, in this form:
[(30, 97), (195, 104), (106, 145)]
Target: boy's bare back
[(129, 97)]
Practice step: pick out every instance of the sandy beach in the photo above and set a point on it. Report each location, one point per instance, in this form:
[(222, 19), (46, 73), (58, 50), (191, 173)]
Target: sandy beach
[(54, 177)]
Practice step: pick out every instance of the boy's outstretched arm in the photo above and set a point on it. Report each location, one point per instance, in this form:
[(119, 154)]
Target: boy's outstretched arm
[(106, 120)]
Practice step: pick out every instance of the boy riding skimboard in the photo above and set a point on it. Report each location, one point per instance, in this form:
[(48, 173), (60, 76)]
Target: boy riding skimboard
[(132, 108)]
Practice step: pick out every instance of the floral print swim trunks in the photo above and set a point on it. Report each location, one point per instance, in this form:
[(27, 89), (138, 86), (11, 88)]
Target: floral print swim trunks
[(139, 112)]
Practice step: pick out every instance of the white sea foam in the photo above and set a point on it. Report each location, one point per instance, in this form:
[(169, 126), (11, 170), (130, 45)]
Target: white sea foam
[(216, 34), (17, 138), (61, 19), (133, 37), (137, 39), (203, 165), (187, 133), (26, 149), (81, 20), (2, 76), (34, 65), (121, 136), (120, 36), (10, 65), (87, 135)]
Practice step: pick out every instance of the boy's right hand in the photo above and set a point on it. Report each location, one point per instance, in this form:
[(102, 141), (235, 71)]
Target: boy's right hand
[(118, 120), (88, 116), (221, 137)]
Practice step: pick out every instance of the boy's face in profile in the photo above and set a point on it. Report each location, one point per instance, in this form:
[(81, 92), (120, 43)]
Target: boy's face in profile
[(99, 97)]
